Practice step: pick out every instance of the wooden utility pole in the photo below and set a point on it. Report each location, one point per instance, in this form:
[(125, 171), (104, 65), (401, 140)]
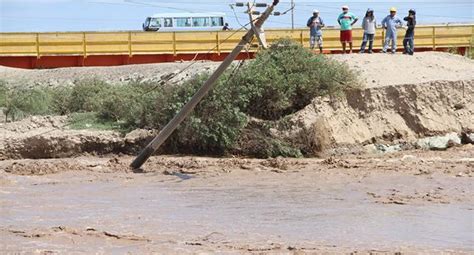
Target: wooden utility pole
[(208, 85), (259, 32), (292, 14)]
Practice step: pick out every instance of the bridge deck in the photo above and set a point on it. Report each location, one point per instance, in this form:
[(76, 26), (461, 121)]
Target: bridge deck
[(61, 49)]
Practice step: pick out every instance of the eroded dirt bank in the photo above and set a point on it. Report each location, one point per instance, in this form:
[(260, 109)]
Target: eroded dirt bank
[(387, 115), (410, 202)]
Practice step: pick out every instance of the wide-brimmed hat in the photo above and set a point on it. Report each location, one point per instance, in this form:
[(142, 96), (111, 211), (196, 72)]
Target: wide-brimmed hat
[(315, 11), (393, 9)]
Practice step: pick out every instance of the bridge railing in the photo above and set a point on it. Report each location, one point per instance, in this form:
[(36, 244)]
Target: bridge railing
[(140, 43)]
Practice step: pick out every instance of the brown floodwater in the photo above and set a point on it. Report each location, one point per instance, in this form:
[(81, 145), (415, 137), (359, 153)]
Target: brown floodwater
[(237, 211)]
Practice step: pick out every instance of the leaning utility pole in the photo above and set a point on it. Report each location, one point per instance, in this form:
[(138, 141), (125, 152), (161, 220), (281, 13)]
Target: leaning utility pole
[(292, 14), (259, 32), (208, 85)]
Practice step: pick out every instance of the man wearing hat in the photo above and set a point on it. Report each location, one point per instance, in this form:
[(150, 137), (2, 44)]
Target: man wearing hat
[(369, 24), (315, 23), (391, 23), (346, 20), (408, 41)]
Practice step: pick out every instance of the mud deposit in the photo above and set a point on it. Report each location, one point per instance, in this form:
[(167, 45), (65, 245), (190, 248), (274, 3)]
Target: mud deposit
[(416, 202)]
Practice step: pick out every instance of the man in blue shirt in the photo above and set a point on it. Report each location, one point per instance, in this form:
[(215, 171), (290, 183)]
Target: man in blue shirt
[(315, 23), (391, 23)]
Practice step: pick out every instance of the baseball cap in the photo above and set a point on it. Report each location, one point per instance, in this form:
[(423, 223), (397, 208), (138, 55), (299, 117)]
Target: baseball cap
[(315, 11), (393, 9), (345, 7)]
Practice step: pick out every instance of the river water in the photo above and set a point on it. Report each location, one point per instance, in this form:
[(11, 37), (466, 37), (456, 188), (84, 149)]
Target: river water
[(297, 209)]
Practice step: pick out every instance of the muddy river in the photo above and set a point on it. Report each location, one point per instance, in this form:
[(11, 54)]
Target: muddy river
[(306, 208)]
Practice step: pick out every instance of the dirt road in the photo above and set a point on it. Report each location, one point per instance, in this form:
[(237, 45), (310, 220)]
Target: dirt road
[(403, 202)]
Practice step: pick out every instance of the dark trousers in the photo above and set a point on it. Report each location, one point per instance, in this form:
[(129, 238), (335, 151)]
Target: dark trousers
[(409, 45), (367, 38)]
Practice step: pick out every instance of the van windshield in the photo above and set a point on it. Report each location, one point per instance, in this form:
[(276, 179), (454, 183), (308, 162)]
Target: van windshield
[(147, 22)]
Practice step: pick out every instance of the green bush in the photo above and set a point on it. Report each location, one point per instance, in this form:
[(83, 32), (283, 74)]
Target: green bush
[(3, 93), (60, 100), (87, 95), (136, 105), (21, 102), (286, 77), (216, 123)]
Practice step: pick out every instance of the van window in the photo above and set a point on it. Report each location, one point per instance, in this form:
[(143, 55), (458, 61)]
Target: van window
[(183, 22), (200, 22), (154, 22), (168, 22), (217, 21)]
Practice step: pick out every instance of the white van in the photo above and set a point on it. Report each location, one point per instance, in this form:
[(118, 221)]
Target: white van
[(185, 22)]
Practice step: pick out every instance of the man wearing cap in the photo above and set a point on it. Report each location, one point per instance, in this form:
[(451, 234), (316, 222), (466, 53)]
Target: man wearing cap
[(369, 24), (315, 23), (346, 20), (391, 23), (409, 41)]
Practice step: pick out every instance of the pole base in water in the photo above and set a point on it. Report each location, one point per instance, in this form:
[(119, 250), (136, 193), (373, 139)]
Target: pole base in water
[(142, 157)]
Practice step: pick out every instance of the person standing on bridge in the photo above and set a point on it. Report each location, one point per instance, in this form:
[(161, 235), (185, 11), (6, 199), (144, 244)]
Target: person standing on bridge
[(315, 24), (369, 24), (409, 41), (391, 23), (346, 20), (226, 27)]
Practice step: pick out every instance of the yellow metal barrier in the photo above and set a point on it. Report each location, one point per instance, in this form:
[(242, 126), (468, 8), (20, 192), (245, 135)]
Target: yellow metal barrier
[(137, 42)]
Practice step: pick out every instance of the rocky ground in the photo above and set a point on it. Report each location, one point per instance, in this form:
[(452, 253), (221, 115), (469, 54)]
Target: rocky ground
[(395, 174)]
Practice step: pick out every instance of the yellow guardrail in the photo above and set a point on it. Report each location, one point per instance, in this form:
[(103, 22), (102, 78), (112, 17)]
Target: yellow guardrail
[(137, 42)]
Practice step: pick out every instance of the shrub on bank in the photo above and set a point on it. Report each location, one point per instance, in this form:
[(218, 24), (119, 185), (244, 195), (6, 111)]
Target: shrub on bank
[(286, 77), (87, 95), (216, 123), (20, 102)]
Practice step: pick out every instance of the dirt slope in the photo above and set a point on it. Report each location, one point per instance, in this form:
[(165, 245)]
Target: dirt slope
[(390, 114)]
